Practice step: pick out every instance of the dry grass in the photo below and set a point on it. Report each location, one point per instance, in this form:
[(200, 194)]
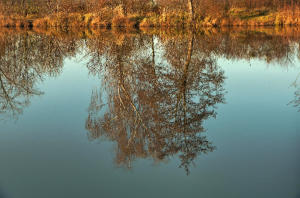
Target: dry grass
[(150, 22), (131, 21), (107, 18)]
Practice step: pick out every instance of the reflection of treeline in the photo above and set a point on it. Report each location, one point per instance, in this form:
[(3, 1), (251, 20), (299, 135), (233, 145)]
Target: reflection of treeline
[(25, 58), (271, 44), (148, 12)]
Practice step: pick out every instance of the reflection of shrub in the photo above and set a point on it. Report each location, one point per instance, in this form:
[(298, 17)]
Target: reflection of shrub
[(20, 22), (119, 21), (134, 21), (6, 22), (97, 22)]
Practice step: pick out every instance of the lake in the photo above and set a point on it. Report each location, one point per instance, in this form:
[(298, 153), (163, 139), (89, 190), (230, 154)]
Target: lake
[(150, 113)]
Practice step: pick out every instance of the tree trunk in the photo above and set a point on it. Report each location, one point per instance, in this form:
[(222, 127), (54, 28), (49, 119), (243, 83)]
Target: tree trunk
[(191, 11), (23, 6)]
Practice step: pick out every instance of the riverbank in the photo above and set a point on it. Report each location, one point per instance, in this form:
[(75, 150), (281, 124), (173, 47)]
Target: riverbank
[(116, 18)]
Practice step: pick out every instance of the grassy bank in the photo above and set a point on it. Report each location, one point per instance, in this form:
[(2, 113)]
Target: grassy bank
[(115, 18)]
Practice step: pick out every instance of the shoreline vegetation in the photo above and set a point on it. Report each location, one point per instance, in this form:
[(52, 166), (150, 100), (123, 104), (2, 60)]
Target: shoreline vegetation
[(147, 13), (92, 33)]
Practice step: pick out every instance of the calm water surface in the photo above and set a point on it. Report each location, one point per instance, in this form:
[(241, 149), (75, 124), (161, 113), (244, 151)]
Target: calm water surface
[(150, 114)]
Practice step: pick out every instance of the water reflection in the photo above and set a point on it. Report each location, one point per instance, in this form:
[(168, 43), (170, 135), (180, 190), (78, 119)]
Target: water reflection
[(25, 58), (157, 87), (296, 85), (156, 109)]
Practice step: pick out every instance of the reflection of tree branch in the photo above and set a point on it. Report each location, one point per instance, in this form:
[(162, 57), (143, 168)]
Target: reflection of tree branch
[(25, 58), (152, 110), (16, 84), (296, 101), (295, 82), (134, 108), (8, 99), (121, 101)]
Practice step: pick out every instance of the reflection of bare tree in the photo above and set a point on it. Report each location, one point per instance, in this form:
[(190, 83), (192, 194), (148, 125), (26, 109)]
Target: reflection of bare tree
[(24, 59), (156, 109), (296, 101)]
